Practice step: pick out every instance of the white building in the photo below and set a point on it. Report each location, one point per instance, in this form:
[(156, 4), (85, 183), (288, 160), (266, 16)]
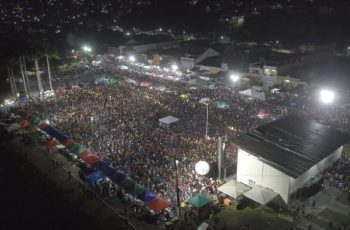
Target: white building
[(285, 155)]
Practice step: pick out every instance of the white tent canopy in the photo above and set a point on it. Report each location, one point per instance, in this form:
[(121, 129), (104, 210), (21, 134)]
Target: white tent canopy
[(233, 188), (168, 121), (13, 127), (261, 195), (254, 94)]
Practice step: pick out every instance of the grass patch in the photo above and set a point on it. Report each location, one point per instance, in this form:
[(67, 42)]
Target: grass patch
[(346, 149), (316, 220), (231, 219), (335, 217), (343, 198)]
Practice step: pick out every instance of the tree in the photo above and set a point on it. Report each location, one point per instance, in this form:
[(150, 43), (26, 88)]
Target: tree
[(35, 52), (49, 53)]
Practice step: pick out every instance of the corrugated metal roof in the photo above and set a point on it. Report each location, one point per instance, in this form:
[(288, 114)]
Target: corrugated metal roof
[(292, 144)]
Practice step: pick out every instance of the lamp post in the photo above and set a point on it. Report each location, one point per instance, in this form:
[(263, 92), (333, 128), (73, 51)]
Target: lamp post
[(207, 121), (327, 96), (92, 125), (177, 188), (132, 59)]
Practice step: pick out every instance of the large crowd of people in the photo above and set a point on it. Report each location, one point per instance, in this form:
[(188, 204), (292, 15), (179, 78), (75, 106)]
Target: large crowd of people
[(119, 122)]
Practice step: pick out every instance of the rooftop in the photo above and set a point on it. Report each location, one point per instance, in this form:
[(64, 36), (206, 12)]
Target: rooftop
[(292, 144)]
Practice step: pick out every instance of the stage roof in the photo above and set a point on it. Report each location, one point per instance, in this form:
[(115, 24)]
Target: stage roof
[(292, 144)]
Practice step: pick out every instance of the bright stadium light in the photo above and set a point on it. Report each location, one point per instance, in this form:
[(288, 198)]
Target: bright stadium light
[(202, 168), (174, 67), (87, 48), (326, 96), (132, 58), (234, 77)]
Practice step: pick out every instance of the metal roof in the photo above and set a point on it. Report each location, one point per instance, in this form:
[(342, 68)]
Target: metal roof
[(292, 144)]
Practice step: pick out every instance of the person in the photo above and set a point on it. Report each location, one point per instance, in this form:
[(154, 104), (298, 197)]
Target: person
[(330, 225), (126, 221), (303, 210), (69, 174), (309, 226), (313, 205)]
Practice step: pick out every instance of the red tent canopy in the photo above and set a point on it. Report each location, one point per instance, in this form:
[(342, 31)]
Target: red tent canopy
[(24, 123), (88, 157), (68, 142), (158, 204), (52, 143), (42, 125), (27, 116)]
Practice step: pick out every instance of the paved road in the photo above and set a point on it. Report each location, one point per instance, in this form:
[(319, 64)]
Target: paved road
[(108, 212)]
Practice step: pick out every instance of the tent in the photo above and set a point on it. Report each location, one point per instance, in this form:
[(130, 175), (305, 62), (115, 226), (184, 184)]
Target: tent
[(90, 175), (68, 142), (35, 120), (137, 189), (76, 148), (146, 196), (14, 127), (221, 104), (204, 100), (198, 201), (158, 204), (233, 188), (99, 165), (52, 143), (118, 177), (166, 122), (88, 157), (261, 195), (254, 94), (128, 184), (42, 125), (54, 133), (108, 170)]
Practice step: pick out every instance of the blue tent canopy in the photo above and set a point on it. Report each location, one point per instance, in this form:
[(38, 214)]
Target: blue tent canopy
[(118, 177), (108, 170), (146, 196), (90, 175), (98, 165), (54, 133)]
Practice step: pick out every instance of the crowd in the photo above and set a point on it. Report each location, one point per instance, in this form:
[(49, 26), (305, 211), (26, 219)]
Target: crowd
[(120, 124)]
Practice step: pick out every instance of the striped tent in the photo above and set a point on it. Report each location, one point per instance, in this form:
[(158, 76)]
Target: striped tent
[(88, 157), (76, 148)]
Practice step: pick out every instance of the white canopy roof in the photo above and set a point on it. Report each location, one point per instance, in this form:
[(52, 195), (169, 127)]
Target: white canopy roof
[(169, 120), (261, 195), (13, 127), (233, 188), (253, 94)]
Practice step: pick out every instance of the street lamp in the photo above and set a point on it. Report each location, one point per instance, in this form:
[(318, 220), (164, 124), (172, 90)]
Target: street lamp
[(174, 67), (177, 189), (132, 58), (327, 96), (207, 121), (234, 77), (87, 48), (92, 127)]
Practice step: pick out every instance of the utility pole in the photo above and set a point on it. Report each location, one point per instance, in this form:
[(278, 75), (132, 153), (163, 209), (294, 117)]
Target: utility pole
[(207, 121), (219, 156)]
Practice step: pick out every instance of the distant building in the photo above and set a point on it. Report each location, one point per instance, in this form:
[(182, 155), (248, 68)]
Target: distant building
[(287, 157), (143, 43)]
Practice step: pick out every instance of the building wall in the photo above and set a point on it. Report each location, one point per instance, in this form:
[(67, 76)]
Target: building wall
[(208, 53), (299, 182), (251, 171), (150, 46)]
